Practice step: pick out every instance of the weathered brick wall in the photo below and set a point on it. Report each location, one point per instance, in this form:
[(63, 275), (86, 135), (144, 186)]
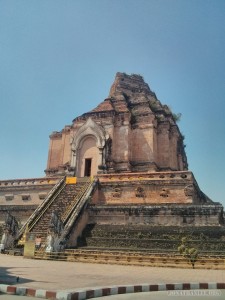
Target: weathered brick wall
[(118, 193), (120, 143), (22, 192), (142, 148), (66, 152), (160, 215), (21, 213), (22, 196), (148, 188), (55, 155)]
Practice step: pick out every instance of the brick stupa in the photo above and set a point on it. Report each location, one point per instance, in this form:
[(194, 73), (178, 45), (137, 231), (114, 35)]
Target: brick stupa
[(131, 144)]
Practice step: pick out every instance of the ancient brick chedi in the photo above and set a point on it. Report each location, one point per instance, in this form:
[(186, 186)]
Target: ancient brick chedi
[(132, 147), (130, 131)]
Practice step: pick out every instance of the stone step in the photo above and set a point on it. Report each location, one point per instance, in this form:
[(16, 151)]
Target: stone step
[(133, 258), (141, 237)]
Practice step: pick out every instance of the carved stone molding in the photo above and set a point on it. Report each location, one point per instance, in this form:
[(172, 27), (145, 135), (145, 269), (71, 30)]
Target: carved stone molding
[(117, 191), (189, 190), (164, 193), (90, 128), (140, 192)]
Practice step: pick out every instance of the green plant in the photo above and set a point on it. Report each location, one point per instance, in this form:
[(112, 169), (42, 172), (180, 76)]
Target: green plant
[(190, 253), (177, 117)]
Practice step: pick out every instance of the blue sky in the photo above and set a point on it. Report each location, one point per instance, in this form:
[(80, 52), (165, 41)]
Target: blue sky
[(58, 60)]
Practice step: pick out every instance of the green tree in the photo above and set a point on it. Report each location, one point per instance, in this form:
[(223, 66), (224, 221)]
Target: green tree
[(190, 253)]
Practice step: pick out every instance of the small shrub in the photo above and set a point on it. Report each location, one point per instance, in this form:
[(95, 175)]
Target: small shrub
[(190, 253), (177, 117)]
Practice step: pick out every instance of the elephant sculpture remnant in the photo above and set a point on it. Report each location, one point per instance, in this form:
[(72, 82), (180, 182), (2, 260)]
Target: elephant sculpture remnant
[(10, 230), (56, 227)]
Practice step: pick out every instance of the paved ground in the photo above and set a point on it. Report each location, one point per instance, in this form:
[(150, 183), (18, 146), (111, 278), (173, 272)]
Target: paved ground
[(56, 275)]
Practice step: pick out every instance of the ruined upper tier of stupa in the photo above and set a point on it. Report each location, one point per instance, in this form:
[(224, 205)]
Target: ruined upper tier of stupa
[(130, 131)]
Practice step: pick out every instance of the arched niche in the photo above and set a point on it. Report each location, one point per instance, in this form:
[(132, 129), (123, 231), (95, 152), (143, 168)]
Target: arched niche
[(87, 149)]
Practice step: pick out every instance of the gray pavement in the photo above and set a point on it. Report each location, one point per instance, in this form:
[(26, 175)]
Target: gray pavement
[(71, 276)]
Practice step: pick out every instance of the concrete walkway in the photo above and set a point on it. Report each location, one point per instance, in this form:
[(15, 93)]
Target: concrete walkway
[(40, 277), (57, 275)]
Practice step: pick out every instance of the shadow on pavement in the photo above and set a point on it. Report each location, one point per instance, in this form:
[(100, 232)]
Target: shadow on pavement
[(6, 278)]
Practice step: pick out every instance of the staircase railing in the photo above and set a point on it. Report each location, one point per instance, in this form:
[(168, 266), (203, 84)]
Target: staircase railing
[(74, 214), (38, 213)]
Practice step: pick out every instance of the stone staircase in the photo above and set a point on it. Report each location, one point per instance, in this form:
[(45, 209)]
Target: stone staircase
[(138, 258), (154, 239), (62, 201)]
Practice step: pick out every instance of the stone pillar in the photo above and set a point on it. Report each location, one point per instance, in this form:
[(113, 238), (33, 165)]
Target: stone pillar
[(173, 137), (100, 160), (74, 159), (163, 145), (121, 151), (100, 157)]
